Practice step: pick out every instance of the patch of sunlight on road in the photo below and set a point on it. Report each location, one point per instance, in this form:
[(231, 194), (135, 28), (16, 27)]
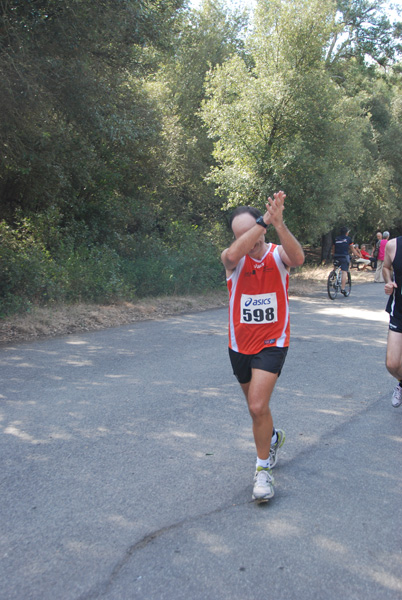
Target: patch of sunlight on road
[(79, 362), (121, 521), (183, 434), (22, 435), (387, 580), (343, 554), (282, 528), (213, 542), (207, 392), (331, 545), (356, 313)]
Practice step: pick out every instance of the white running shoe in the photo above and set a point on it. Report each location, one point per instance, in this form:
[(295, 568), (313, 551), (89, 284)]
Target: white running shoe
[(263, 485), (273, 453), (397, 396)]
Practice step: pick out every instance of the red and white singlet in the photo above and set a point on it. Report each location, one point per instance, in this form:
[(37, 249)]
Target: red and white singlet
[(258, 303)]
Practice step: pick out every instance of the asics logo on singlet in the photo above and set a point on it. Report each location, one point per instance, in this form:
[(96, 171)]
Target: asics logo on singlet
[(257, 301), (258, 266)]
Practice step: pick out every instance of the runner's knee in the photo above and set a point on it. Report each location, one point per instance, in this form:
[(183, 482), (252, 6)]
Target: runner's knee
[(258, 409), (394, 365)]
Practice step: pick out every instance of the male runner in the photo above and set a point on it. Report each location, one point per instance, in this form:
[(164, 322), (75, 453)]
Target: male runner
[(393, 288), (257, 277)]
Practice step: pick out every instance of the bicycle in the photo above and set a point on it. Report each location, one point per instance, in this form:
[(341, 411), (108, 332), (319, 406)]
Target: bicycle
[(334, 281)]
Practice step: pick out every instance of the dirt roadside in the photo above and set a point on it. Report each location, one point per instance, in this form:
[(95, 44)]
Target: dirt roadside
[(45, 322)]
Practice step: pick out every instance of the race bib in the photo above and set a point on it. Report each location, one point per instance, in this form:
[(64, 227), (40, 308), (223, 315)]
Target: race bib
[(261, 308)]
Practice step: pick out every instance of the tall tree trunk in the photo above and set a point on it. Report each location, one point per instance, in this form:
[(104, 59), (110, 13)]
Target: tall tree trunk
[(326, 246)]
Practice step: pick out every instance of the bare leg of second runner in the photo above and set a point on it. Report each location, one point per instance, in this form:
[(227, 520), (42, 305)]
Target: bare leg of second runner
[(394, 364)]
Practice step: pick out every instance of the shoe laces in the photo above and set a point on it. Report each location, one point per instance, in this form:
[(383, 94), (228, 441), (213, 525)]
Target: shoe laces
[(397, 395), (265, 475)]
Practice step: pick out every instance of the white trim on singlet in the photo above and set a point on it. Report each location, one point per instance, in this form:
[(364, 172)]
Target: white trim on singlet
[(284, 275), (234, 278), (260, 260)]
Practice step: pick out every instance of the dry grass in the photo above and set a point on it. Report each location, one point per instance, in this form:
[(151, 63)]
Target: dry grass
[(65, 319), (308, 280)]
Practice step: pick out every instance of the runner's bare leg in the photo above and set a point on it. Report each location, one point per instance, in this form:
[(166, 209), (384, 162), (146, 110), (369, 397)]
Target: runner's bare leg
[(258, 393)]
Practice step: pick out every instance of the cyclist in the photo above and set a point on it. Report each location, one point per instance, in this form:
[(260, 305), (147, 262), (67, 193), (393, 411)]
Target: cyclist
[(344, 243)]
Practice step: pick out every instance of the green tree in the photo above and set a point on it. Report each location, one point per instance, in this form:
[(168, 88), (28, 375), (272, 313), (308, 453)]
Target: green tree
[(76, 126), (381, 203), (283, 123), (364, 31), (208, 37)]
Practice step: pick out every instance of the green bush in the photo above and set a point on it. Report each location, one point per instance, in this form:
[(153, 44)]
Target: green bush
[(95, 275), (28, 273), (185, 261)]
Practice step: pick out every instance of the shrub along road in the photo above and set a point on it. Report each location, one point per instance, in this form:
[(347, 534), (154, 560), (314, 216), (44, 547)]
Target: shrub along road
[(127, 463)]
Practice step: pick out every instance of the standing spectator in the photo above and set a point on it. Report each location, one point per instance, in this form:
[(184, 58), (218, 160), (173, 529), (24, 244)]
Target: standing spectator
[(378, 278), (376, 246)]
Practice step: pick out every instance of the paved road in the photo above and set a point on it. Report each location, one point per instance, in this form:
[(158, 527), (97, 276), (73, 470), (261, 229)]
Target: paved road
[(127, 464)]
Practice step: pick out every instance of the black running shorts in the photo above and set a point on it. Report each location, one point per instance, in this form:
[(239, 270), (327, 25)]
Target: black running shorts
[(269, 359), (344, 261), (395, 324)]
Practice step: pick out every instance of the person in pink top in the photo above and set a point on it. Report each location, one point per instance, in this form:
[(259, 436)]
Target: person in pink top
[(378, 278)]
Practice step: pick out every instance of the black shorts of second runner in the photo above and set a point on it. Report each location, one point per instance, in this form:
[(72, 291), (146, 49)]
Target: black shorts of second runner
[(269, 359), (343, 260), (395, 324)]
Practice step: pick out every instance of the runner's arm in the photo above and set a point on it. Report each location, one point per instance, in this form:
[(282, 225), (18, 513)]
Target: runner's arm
[(290, 249), (387, 270), (241, 246)]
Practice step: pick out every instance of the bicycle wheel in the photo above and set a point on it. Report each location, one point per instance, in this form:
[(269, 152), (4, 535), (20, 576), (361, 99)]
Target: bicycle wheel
[(332, 287), (348, 285)]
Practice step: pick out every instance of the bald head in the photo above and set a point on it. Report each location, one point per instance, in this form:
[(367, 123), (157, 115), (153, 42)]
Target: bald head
[(242, 223), (240, 210)]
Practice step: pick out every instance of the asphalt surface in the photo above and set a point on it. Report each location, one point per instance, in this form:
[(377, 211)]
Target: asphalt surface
[(127, 462)]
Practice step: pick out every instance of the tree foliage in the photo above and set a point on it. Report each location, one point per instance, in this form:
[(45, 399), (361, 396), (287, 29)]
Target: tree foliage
[(72, 99), (289, 121), (364, 30), (128, 130)]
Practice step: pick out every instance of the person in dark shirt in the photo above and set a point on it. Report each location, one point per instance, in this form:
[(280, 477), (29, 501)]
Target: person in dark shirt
[(392, 272), (344, 243)]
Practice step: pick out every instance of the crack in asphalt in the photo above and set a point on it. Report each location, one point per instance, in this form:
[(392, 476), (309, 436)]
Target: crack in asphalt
[(102, 588)]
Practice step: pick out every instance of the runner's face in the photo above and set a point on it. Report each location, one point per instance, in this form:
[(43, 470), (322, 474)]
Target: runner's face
[(243, 223)]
